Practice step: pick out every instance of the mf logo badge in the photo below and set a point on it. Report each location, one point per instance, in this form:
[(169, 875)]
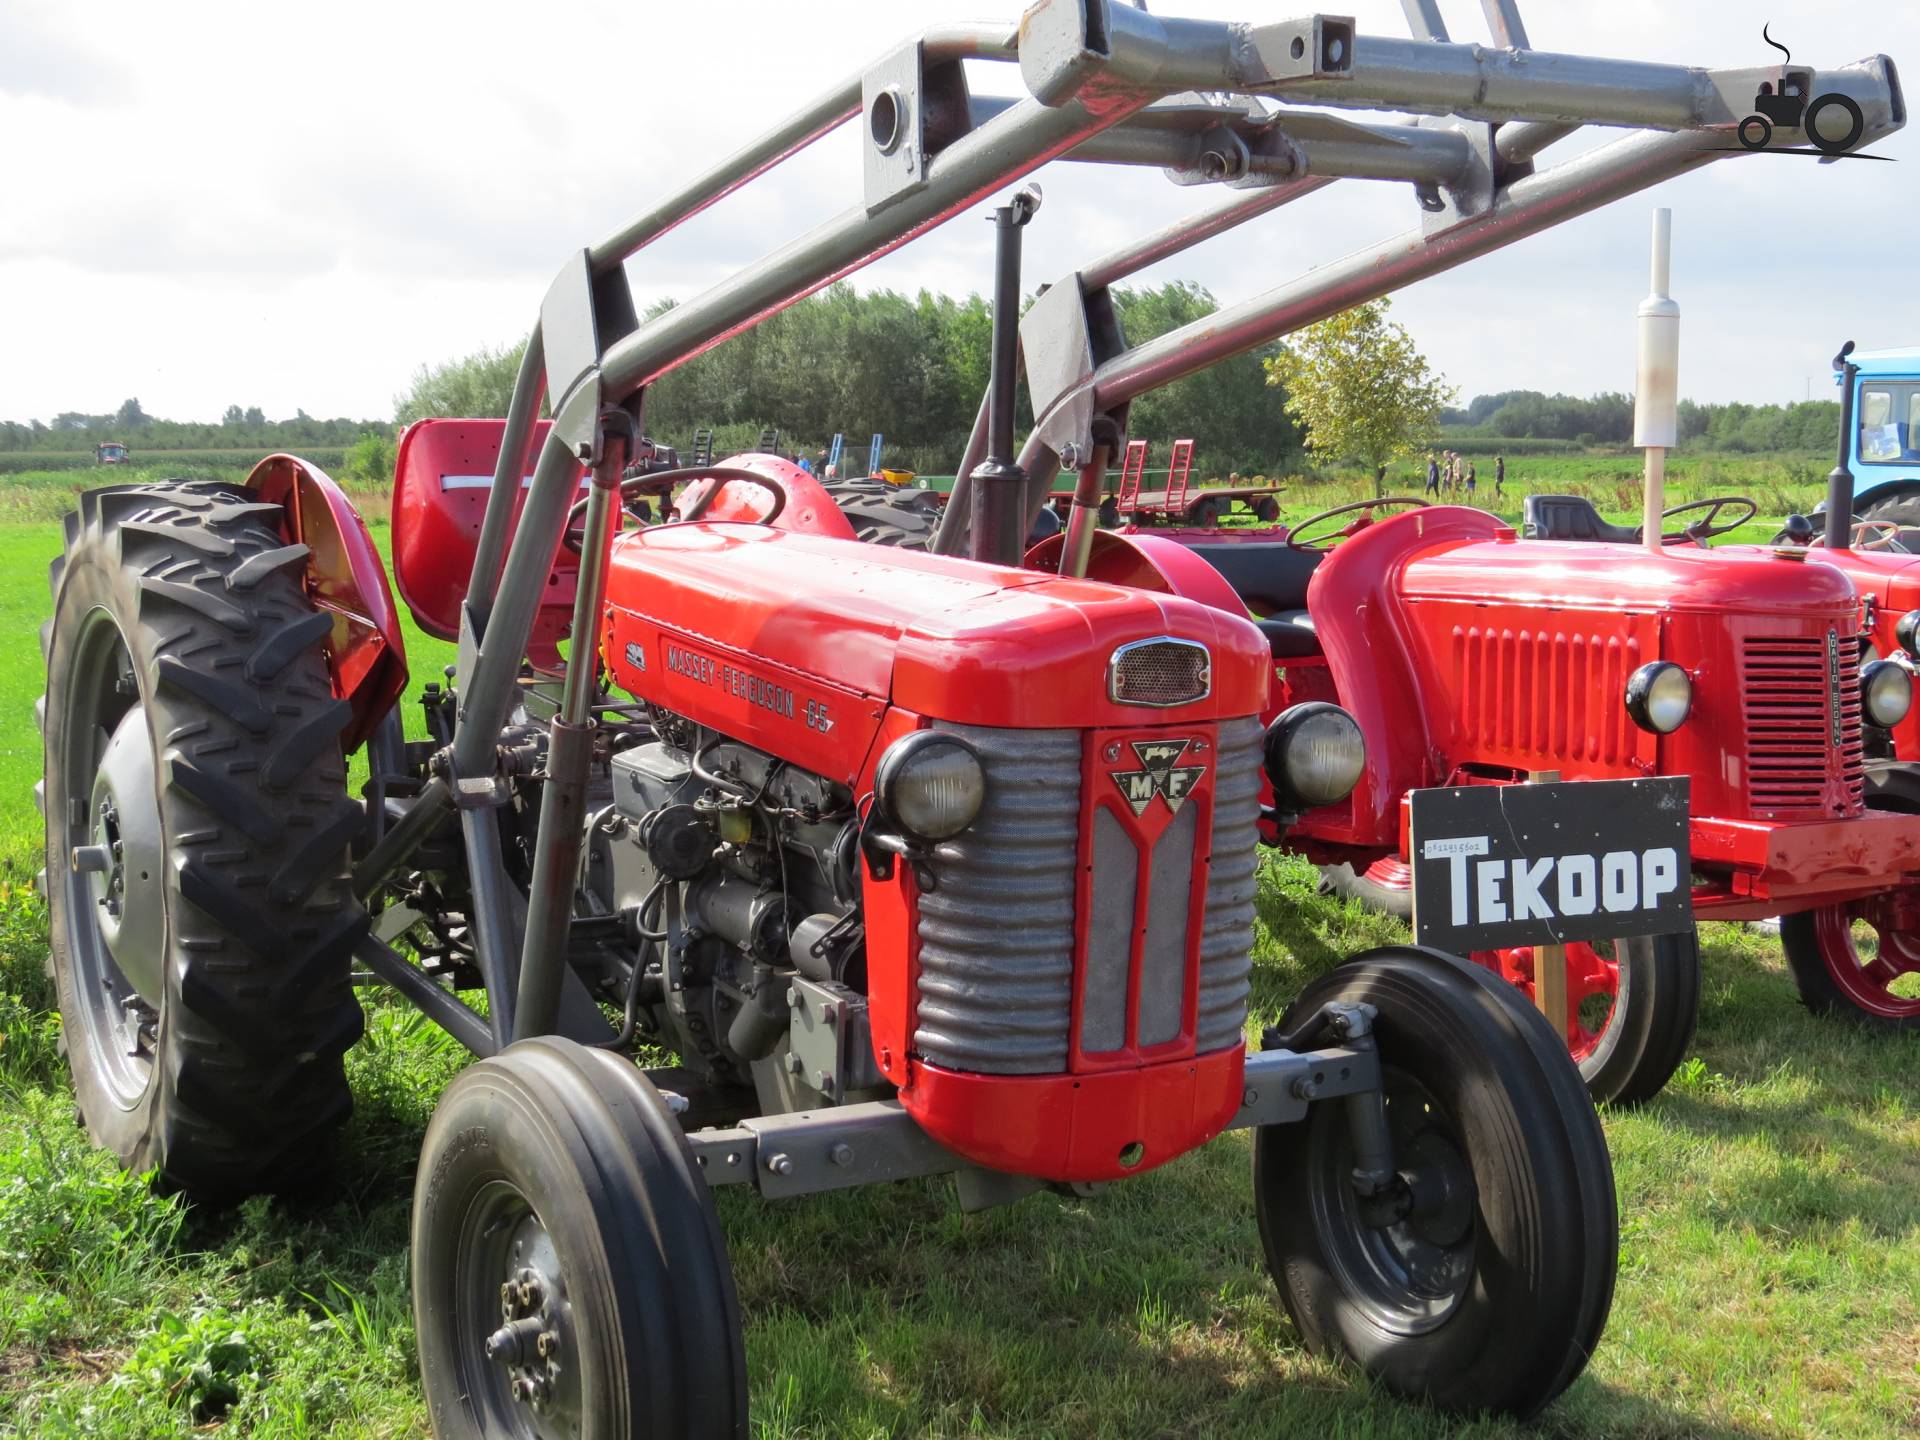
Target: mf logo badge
[(636, 657), (1159, 774)]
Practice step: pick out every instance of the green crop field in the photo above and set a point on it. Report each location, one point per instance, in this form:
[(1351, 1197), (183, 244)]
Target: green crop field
[(1769, 1277)]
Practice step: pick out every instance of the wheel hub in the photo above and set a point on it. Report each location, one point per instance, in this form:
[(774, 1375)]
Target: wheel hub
[(533, 1347), (125, 858)]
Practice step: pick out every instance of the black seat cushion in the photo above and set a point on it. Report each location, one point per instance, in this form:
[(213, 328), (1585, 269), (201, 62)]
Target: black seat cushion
[(1269, 576), (1571, 517), (1290, 635)]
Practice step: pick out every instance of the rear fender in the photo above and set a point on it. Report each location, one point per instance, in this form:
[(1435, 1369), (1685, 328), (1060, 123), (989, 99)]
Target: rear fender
[(809, 509), (1355, 599), (343, 576), (1145, 562)]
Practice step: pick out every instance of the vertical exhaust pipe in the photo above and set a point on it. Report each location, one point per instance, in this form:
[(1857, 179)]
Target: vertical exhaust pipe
[(1656, 388), (999, 485), (1840, 478)]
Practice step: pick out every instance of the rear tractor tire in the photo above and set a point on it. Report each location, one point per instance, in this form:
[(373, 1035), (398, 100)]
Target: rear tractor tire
[(197, 829), (569, 1274), (1482, 1283), (887, 514)]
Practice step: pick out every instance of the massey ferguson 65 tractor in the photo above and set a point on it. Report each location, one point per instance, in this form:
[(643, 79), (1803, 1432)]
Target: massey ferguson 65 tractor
[(919, 864)]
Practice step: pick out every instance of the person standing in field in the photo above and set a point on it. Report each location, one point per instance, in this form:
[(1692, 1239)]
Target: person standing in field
[(1433, 474), (1499, 475), (1470, 479)]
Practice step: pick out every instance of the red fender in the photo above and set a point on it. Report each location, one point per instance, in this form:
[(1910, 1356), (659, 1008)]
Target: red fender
[(1145, 562), (809, 509), (1360, 617), (343, 576)]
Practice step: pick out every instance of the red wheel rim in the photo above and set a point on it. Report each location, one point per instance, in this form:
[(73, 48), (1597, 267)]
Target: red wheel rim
[(1867, 979), (1592, 977)]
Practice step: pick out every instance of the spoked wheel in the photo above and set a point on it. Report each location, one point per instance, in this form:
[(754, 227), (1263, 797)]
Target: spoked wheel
[(570, 1281), (1860, 959), (197, 829), (1631, 1008), (1481, 1279)]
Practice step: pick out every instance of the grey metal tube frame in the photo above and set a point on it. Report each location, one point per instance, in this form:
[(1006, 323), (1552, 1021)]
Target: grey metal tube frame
[(1094, 70)]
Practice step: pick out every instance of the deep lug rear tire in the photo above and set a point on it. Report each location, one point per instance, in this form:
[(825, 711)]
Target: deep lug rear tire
[(192, 751), (1506, 1300), (885, 514), (561, 1169)]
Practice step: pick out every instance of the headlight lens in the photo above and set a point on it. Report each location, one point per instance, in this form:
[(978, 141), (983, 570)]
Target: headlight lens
[(1886, 693), (1315, 754), (1907, 631), (1659, 697), (930, 785)]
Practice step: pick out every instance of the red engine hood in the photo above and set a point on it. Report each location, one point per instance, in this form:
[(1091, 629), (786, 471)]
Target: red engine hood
[(1613, 577), (951, 639)]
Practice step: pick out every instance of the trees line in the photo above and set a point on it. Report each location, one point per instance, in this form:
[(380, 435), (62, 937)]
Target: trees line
[(913, 368)]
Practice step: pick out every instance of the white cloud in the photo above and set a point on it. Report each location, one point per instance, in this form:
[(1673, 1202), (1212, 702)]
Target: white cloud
[(236, 203)]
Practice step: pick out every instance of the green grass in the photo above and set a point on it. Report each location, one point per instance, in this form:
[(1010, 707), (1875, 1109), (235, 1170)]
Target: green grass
[(1769, 1281)]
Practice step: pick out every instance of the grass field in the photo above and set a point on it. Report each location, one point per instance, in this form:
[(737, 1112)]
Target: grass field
[(1769, 1281)]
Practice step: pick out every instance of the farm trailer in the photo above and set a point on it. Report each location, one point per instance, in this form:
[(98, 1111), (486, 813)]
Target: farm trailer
[(793, 855)]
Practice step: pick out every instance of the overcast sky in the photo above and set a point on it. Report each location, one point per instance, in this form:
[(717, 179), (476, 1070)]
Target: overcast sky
[(208, 204)]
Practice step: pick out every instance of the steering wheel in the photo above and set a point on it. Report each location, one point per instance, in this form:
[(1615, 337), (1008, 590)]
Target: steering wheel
[(573, 537), (1881, 535), (1293, 534), (1709, 527)]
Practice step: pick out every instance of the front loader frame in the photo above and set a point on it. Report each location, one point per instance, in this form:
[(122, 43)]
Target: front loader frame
[(1106, 83)]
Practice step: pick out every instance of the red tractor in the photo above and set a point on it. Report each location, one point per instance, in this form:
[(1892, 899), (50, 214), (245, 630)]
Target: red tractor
[(919, 865)]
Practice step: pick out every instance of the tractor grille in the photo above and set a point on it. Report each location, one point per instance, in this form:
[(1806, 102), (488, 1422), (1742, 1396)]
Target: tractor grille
[(997, 936), (1226, 945), (1160, 673), (1803, 721), (1541, 696)]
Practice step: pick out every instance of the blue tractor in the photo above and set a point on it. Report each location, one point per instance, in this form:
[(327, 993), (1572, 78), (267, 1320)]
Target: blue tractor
[(1884, 452)]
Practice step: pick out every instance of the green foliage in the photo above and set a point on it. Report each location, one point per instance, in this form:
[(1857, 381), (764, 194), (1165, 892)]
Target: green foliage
[(480, 384), (369, 460), (1360, 386), (1607, 419), (203, 1364)]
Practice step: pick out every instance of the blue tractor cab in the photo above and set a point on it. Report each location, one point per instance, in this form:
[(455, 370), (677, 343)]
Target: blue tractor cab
[(1883, 451)]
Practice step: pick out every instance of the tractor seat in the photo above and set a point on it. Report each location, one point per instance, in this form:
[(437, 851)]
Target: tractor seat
[(1571, 517), (1269, 576), (1290, 635)]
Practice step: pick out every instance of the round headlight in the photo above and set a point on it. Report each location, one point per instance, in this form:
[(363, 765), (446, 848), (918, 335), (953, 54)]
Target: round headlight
[(930, 785), (1886, 693), (1907, 631), (1315, 754), (1659, 697)]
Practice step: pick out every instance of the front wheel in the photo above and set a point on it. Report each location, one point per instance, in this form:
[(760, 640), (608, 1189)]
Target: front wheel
[(1860, 960), (569, 1274), (1631, 1008), (1486, 1286)]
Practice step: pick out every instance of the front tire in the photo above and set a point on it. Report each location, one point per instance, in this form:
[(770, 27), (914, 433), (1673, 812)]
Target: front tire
[(1493, 1292), (197, 828), (569, 1274), (1859, 960), (1632, 1007)]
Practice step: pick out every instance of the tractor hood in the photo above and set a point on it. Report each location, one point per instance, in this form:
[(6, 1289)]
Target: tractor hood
[(731, 623), (1565, 574)]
